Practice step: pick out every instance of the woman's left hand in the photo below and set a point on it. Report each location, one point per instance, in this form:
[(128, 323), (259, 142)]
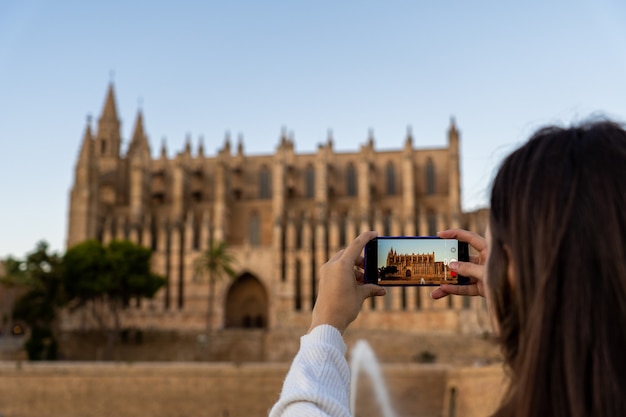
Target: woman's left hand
[(342, 290), (474, 269)]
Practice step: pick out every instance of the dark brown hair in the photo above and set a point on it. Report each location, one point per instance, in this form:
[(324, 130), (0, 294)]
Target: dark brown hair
[(558, 219)]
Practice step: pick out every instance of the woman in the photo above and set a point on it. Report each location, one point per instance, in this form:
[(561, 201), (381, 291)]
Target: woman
[(555, 284)]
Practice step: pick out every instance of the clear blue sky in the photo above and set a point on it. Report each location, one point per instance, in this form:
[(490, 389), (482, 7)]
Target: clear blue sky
[(444, 249), (501, 69)]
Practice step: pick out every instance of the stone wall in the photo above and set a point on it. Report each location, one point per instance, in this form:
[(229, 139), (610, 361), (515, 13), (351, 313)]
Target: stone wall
[(474, 391), (237, 345), (225, 390)]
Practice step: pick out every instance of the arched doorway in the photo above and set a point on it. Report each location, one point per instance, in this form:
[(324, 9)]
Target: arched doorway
[(246, 304)]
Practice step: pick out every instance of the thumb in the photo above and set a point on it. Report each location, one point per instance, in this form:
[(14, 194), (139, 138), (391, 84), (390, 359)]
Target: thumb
[(371, 290)]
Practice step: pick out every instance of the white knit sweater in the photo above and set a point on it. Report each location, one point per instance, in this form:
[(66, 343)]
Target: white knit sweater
[(318, 382)]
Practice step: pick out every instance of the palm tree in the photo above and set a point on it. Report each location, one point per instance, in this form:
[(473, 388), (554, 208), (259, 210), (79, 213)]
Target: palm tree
[(217, 263)]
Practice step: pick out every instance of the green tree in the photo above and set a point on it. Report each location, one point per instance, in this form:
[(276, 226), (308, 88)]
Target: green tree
[(106, 279), (40, 275), (216, 263), (15, 272)]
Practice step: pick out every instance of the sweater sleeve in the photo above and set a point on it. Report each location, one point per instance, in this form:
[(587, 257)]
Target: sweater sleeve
[(318, 382)]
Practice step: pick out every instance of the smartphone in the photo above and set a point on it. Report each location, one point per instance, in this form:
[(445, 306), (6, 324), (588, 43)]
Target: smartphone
[(419, 260)]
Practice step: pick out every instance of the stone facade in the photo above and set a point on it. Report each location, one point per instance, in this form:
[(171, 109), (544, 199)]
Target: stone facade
[(282, 216)]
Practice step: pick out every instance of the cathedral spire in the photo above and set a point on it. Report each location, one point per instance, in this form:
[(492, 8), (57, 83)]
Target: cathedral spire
[(240, 144), (86, 150), (108, 136), (453, 132), (163, 149), (188, 144), (139, 141), (84, 194), (227, 142), (109, 113), (370, 138), (139, 134), (201, 146)]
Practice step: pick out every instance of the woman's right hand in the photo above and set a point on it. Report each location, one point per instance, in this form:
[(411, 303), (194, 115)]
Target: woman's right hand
[(474, 269)]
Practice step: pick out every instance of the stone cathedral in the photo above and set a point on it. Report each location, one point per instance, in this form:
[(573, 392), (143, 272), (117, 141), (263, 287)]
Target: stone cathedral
[(282, 215)]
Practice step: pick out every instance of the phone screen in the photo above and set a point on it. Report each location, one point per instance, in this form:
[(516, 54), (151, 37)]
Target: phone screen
[(391, 260)]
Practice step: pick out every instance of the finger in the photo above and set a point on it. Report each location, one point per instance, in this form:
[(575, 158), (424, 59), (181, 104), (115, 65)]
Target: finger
[(359, 274), (474, 239), (469, 290), (438, 293), (336, 255), (356, 246), (468, 269), (371, 290), (359, 262)]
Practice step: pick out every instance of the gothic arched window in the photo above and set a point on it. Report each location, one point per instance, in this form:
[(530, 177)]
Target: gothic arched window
[(351, 181), (343, 224), (265, 183), (254, 229), (430, 177), (310, 181), (391, 179)]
